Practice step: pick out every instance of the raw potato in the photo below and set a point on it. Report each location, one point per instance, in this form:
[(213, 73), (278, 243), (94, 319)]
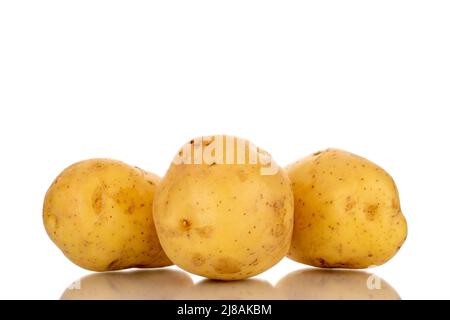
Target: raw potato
[(335, 285), (99, 213), (135, 285), (224, 221), (347, 212)]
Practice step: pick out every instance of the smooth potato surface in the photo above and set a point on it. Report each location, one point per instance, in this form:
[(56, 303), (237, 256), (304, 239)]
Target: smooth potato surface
[(99, 213), (347, 212), (224, 221)]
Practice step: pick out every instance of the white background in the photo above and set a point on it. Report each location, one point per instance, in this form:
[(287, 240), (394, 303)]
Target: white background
[(133, 80)]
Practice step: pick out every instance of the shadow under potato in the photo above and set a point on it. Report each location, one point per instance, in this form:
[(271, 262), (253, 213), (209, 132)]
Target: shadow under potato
[(319, 284)]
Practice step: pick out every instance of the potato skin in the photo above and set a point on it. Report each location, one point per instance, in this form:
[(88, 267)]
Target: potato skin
[(99, 213), (224, 221), (347, 212)]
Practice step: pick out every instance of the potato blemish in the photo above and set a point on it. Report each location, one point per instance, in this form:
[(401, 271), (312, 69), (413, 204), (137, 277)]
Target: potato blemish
[(97, 200), (226, 266), (242, 175), (325, 264), (205, 232), (113, 265), (349, 203), (278, 207), (131, 208), (198, 260), (278, 231), (185, 224), (395, 204), (371, 211), (254, 262)]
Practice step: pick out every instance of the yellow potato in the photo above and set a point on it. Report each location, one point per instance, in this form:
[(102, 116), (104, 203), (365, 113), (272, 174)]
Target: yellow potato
[(335, 285), (224, 220), (135, 285), (99, 213), (347, 212)]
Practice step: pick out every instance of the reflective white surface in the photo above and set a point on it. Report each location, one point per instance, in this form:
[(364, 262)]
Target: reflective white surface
[(305, 284), (134, 81)]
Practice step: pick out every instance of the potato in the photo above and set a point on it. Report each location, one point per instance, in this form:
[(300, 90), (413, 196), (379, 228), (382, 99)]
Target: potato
[(219, 214), (99, 213), (347, 212), (135, 285), (335, 285)]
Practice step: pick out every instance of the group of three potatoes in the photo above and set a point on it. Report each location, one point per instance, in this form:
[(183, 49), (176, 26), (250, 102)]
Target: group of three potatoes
[(225, 210)]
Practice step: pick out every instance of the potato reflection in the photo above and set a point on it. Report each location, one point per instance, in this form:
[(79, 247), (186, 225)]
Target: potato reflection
[(252, 289), (315, 284), (127, 285)]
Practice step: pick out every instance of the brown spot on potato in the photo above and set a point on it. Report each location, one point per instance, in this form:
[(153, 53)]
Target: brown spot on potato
[(254, 262), (396, 214), (349, 203), (226, 266), (371, 211), (278, 231), (198, 260), (140, 266), (98, 165), (242, 175), (395, 204), (114, 265), (86, 243), (205, 232), (325, 264), (322, 262), (278, 207), (97, 200), (186, 224), (131, 208)]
